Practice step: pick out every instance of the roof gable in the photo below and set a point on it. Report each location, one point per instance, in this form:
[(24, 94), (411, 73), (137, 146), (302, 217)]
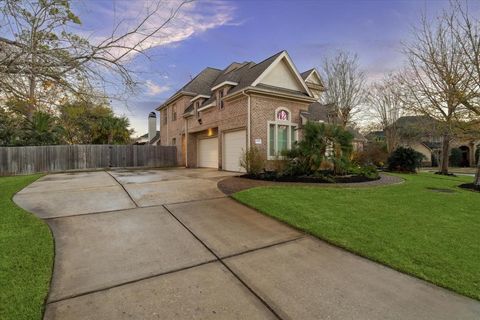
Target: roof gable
[(314, 77), (283, 74)]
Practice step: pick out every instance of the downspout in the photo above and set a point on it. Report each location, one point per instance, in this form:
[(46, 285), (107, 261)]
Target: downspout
[(186, 142), (248, 119)]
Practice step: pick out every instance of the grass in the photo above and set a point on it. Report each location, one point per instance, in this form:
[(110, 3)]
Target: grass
[(432, 235), (26, 255)]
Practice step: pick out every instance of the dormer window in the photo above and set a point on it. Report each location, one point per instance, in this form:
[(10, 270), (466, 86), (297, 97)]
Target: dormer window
[(196, 104), (220, 98)]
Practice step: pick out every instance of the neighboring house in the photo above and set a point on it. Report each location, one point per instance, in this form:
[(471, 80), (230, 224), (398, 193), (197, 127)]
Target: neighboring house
[(221, 113), (144, 139), (422, 134)]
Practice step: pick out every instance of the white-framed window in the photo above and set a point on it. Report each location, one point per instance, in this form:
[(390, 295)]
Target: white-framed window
[(220, 98), (282, 133)]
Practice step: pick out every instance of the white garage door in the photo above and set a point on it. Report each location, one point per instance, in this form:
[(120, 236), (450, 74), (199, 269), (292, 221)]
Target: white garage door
[(208, 153), (233, 145)]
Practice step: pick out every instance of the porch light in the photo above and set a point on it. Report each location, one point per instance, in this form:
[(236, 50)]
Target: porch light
[(210, 132)]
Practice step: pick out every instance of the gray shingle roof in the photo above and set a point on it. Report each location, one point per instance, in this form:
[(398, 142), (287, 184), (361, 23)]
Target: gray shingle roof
[(202, 83), (244, 74), (320, 112)]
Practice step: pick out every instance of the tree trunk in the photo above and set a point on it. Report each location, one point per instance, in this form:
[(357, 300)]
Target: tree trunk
[(391, 140), (445, 154)]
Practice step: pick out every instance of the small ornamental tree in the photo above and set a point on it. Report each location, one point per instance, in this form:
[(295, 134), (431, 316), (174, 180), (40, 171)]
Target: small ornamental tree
[(320, 142), (405, 160)]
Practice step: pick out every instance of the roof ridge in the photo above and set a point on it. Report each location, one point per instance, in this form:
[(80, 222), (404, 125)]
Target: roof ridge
[(264, 60)]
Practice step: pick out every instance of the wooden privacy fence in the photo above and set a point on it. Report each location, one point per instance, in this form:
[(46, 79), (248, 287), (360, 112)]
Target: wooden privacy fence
[(26, 160)]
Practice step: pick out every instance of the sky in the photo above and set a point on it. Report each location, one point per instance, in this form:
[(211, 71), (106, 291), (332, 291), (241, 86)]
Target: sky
[(215, 33)]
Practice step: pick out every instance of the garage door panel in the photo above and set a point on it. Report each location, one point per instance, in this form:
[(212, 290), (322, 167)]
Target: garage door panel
[(208, 153), (233, 147)]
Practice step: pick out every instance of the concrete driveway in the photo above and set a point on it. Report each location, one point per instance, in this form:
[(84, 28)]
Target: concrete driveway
[(167, 244)]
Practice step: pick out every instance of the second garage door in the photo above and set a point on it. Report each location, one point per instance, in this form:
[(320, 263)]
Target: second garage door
[(234, 143), (208, 153)]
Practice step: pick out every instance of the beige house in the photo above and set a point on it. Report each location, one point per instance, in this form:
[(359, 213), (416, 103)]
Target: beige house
[(221, 113)]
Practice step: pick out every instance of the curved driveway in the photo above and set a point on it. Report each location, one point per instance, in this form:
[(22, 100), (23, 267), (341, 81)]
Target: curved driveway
[(167, 244)]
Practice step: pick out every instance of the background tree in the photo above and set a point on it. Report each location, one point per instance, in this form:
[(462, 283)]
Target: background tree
[(466, 28), (436, 80), (90, 122), (41, 129), (10, 128), (345, 85), (42, 61), (386, 108)]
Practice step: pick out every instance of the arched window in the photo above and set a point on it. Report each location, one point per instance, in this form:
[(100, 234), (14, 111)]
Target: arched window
[(282, 133)]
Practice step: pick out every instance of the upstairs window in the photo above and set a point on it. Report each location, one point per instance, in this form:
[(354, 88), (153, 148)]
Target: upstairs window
[(282, 133), (174, 112), (196, 104), (220, 98), (164, 116)]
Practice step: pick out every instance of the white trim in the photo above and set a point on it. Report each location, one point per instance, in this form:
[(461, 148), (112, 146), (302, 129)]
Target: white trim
[(248, 119), (308, 76), (224, 83), (206, 107), (173, 98), (273, 93), (290, 125), (318, 75), (283, 55), (199, 96)]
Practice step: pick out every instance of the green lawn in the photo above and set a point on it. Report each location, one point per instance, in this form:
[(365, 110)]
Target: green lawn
[(434, 236), (26, 255)]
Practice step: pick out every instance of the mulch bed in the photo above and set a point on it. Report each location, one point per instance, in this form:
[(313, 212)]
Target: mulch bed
[(470, 186), (309, 179), (232, 185)]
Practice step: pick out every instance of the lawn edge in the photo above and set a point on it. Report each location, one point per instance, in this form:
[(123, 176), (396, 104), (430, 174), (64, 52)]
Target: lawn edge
[(352, 251), (52, 265)]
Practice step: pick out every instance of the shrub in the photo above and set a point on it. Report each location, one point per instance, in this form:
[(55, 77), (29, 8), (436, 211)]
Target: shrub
[(321, 142), (369, 172), (374, 153), (405, 160), (456, 157), (253, 161)]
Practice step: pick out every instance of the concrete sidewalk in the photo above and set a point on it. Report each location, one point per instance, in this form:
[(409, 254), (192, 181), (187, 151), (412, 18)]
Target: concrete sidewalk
[(167, 244)]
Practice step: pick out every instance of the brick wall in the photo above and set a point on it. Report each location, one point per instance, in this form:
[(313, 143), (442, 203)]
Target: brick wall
[(232, 117), (174, 129), (263, 110)]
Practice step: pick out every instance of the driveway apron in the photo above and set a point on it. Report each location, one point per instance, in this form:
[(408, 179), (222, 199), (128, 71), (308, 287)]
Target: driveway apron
[(167, 244)]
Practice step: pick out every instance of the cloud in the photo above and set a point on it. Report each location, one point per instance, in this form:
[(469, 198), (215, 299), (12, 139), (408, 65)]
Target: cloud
[(192, 18), (154, 89)]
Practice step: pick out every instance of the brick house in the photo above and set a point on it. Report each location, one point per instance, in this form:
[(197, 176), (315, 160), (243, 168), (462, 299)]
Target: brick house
[(221, 113)]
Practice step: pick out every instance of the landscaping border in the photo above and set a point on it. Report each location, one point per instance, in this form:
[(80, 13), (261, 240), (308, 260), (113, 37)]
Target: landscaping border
[(235, 184)]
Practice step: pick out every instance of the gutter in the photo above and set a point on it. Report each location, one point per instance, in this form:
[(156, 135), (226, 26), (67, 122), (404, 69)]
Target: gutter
[(248, 118), (271, 93)]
